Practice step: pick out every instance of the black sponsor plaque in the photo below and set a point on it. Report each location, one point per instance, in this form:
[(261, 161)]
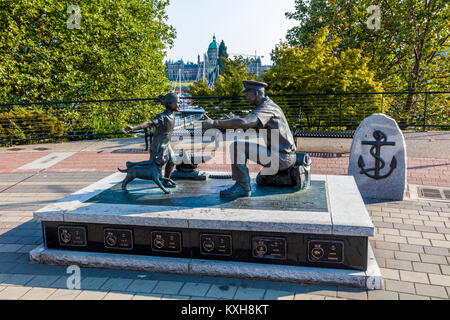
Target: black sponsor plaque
[(216, 244), (166, 241), (269, 248), (329, 251), (118, 239), (72, 236)]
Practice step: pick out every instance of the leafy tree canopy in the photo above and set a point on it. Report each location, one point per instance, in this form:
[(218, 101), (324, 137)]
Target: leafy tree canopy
[(407, 51), (316, 68), (117, 52), (227, 84)]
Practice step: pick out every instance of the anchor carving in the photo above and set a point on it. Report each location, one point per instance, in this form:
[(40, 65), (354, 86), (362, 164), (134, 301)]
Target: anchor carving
[(380, 141)]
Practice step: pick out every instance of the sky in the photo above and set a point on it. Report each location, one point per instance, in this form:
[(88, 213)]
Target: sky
[(245, 26)]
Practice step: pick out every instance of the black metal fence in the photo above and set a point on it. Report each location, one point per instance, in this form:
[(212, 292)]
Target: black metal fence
[(321, 115)]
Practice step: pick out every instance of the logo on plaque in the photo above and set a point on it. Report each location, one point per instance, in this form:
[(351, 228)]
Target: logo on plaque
[(269, 248), (216, 244), (166, 241), (330, 251), (118, 239), (70, 236)]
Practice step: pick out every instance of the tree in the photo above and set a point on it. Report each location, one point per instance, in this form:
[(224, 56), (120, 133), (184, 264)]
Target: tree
[(222, 54), (229, 84), (316, 69), (407, 52), (117, 52)]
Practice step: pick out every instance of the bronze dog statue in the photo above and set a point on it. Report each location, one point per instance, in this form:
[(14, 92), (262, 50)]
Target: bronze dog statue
[(147, 172)]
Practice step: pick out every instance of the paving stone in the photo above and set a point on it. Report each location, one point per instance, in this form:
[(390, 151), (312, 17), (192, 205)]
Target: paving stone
[(433, 236), (13, 292), (400, 286), (10, 247), (118, 296), (437, 251), (381, 253), (419, 241), (168, 287), (6, 266), (306, 296), (382, 295), (333, 298), (15, 279), (38, 294), (409, 256), (445, 269), (278, 295), (410, 233), (426, 267), (413, 222), (393, 220), (351, 293), (390, 274), (221, 291), (386, 231), (399, 264), (411, 276), (118, 285), (40, 269), (318, 290), (147, 296), (42, 281), (441, 280), (174, 297), (429, 258), (402, 226), (386, 245), (64, 294), (434, 224), (411, 248), (407, 296), (249, 294), (194, 289), (91, 295), (431, 290), (383, 224), (273, 285), (142, 286), (425, 228), (439, 243)]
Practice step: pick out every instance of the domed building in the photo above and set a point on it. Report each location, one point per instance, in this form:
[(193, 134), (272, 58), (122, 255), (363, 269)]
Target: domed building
[(209, 68), (179, 71)]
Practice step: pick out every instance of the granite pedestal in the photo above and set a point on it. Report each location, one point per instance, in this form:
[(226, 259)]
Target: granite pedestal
[(318, 235)]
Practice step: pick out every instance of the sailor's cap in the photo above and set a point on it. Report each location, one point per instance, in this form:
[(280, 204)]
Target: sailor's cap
[(255, 85)]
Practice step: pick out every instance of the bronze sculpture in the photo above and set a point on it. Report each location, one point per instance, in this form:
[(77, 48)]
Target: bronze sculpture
[(292, 168), (161, 152)]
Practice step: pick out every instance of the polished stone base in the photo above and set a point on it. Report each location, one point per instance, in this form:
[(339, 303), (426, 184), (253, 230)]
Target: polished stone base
[(369, 279), (323, 228)]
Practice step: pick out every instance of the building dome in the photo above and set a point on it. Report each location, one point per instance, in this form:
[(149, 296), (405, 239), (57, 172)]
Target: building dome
[(213, 44)]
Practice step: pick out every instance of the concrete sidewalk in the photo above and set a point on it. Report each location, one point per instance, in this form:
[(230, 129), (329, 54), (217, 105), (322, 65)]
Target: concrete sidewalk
[(411, 242)]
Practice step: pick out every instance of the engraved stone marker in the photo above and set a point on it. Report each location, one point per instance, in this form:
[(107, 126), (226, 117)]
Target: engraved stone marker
[(378, 158)]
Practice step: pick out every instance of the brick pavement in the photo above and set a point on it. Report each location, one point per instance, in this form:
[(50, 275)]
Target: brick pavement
[(411, 242)]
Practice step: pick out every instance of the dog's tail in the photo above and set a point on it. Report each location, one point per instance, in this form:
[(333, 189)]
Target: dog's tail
[(121, 170)]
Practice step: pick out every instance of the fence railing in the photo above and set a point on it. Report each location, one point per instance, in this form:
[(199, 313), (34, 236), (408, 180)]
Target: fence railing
[(311, 114)]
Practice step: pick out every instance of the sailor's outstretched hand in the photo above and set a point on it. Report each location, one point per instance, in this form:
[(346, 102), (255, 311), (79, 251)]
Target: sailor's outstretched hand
[(206, 124), (127, 129)]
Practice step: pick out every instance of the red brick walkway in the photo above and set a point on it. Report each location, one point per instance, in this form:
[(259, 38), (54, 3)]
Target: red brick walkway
[(423, 171)]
